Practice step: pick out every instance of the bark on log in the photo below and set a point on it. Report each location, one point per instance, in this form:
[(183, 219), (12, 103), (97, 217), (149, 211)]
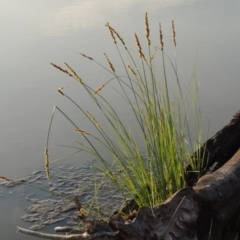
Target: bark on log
[(202, 212), (219, 194), (217, 150)]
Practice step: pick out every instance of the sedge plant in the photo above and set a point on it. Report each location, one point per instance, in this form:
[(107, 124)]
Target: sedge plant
[(147, 166)]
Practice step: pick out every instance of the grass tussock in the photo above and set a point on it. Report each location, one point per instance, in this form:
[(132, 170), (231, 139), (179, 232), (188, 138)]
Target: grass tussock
[(147, 166)]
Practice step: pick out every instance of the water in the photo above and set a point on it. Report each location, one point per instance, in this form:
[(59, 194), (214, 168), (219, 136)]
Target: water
[(48, 203), (33, 34)]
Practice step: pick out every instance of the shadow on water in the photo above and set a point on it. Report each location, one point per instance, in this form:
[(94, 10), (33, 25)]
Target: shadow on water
[(40, 204)]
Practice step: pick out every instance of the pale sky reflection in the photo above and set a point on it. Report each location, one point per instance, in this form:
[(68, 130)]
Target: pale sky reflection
[(87, 14)]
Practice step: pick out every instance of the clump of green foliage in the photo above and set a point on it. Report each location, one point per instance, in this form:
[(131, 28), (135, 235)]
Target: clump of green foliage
[(147, 166)]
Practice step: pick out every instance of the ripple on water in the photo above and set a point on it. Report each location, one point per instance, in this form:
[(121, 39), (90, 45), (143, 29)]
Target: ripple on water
[(50, 201)]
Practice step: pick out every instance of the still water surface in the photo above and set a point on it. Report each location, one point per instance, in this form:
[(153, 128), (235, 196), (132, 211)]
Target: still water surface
[(35, 33)]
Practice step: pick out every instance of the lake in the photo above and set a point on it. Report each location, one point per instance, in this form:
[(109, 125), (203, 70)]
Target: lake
[(35, 33)]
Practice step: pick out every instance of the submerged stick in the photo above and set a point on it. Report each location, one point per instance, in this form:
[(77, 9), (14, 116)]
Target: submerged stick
[(67, 229), (85, 236)]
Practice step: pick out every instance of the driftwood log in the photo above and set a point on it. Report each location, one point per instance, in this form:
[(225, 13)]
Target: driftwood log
[(208, 208)]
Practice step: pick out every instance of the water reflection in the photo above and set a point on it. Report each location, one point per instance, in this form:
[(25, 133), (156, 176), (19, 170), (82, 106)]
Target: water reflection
[(85, 14), (50, 202), (28, 44), (34, 33)]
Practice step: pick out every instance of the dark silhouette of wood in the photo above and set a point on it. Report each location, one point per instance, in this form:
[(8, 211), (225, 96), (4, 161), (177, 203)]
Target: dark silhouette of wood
[(217, 150), (207, 209)]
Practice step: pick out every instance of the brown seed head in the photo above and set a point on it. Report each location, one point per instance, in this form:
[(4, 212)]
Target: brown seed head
[(99, 89), (111, 31), (94, 120), (147, 29), (161, 36), (74, 73), (5, 179), (139, 47), (47, 163), (61, 69), (174, 34), (153, 55), (60, 90), (132, 71), (109, 62), (84, 55), (120, 38), (81, 131)]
